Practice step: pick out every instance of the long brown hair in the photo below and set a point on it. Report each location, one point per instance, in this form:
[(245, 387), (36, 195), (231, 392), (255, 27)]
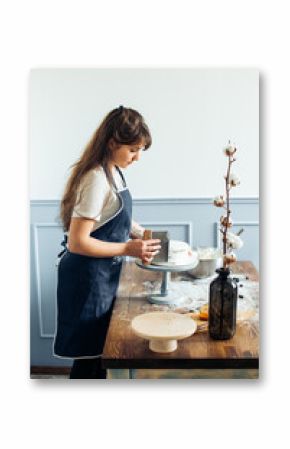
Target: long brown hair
[(125, 126)]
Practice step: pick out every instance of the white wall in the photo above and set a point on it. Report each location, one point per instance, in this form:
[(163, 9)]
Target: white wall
[(191, 114)]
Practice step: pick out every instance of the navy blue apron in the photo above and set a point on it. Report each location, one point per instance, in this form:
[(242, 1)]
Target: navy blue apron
[(87, 287)]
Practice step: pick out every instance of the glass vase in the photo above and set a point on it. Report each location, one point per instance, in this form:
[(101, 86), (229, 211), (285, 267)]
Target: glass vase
[(223, 295)]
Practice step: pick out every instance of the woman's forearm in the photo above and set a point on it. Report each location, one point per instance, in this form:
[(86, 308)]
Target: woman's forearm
[(137, 230), (97, 248)]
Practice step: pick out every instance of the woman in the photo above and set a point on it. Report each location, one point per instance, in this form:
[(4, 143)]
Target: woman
[(96, 212)]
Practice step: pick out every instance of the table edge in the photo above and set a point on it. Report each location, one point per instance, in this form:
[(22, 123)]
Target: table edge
[(238, 363)]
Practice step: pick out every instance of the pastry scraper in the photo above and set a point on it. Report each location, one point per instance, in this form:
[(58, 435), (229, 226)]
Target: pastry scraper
[(163, 236)]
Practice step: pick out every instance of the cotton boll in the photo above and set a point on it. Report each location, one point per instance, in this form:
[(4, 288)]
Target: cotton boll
[(234, 241), (234, 180), (229, 258), (227, 223), (219, 201), (229, 150)]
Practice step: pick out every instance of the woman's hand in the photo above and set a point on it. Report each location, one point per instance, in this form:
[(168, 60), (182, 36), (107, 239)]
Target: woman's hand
[(143, 249)]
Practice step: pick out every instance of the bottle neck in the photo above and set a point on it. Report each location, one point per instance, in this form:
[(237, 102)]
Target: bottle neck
[(223, 272)]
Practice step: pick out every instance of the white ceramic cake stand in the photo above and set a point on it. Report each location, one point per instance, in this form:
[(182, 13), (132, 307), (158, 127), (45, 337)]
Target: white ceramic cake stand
[(163, 329), (167, 295)]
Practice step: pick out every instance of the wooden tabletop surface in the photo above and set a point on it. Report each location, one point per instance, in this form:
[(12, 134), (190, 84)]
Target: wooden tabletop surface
[(123, 349)]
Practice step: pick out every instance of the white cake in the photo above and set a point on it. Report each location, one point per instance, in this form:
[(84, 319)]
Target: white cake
[(180, 253)]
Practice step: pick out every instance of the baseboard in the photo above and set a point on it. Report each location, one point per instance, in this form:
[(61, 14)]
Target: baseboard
[(53, 370)]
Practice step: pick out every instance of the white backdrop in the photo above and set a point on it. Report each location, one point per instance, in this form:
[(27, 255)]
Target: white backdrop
[(207, 33), (191, 114)]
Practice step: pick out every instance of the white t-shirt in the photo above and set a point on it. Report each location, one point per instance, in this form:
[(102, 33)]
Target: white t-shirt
[(98, 199)]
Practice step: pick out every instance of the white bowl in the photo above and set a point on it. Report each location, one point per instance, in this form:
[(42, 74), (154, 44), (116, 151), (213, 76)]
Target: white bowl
[(209, 259)]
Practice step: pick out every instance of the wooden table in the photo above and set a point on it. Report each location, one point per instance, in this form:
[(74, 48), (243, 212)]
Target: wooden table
[(127, 356)]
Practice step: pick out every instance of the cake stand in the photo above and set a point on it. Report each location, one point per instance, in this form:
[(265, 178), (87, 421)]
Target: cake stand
[(163, 329), (167, 295)]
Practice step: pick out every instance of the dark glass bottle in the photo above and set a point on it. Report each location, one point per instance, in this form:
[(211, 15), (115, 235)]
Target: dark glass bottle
[(223, 295)]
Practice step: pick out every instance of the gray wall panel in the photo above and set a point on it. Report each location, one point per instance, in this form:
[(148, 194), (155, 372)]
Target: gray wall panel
[(193, 220)]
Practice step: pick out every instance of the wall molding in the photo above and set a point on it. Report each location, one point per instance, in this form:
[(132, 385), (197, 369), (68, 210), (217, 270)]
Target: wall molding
[(144, 201), (35, 228), (235, 223)]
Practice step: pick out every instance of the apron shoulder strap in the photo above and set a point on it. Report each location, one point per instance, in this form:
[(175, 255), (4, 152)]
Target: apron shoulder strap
[(122, 176)]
